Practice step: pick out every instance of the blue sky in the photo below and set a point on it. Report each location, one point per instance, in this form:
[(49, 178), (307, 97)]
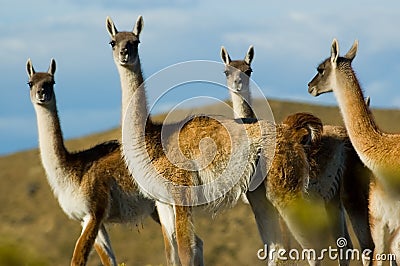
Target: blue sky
[(290, 39)]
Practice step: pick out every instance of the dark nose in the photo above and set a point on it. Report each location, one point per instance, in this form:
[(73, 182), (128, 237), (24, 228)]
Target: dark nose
[(238, 81), (40, 94)]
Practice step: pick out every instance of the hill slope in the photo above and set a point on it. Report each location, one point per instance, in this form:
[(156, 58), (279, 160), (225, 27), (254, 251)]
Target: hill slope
[(34, 229)]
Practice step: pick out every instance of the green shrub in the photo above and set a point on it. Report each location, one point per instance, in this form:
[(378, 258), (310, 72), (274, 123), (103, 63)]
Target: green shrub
[(15, 255)]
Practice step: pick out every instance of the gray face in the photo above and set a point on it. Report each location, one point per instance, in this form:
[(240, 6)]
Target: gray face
[(125, 48), (321, 82), (237, 75), (41, 88)]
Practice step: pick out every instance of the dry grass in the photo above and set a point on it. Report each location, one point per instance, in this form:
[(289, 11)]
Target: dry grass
[(34, 230)]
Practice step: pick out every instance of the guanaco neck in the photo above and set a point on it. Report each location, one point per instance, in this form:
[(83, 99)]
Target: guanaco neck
[(131, 77), (141, 138), (136, 128), (241, 104), (134, 97), (52, 150), (361, 127), (136, 119)]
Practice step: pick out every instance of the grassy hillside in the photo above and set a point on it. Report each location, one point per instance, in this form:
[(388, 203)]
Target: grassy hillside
[(34, 230)]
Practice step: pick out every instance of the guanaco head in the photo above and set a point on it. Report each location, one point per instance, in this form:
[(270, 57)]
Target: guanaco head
[(125, 44), (42, 84), (324, 81), (237, 71)]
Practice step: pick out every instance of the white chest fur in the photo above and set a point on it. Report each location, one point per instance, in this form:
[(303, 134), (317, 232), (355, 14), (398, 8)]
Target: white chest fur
[(386, 207), (68, 194)]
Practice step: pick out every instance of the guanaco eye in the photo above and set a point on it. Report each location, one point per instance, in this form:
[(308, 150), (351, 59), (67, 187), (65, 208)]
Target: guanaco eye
[(226, 72), (112, 43), (30, 84), (320, 71)]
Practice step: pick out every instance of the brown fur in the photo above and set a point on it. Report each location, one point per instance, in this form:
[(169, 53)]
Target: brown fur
[(284, 183), (376, 149), (103, 255), (98, 176), (238, 73), (348, 185), (198, 128), (126, 57), (189, 137), (243, 67), (323, 162), (352, 179), (287, 181)]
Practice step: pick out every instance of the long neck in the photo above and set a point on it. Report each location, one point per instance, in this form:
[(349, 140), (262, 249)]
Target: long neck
[(131, 78), (52, 149), (134, 98), (140, 145), (241, 103), (361, 127), (136, 117)]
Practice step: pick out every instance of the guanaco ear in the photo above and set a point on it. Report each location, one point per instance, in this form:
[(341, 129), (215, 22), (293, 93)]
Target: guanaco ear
[(52, 67), (368, 101), (311, 134), (334, 51), (315, 130), (353, 51), (29, 68), (112, 30), (225, 56), (250, 55), (308, 127), (138, 26)]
